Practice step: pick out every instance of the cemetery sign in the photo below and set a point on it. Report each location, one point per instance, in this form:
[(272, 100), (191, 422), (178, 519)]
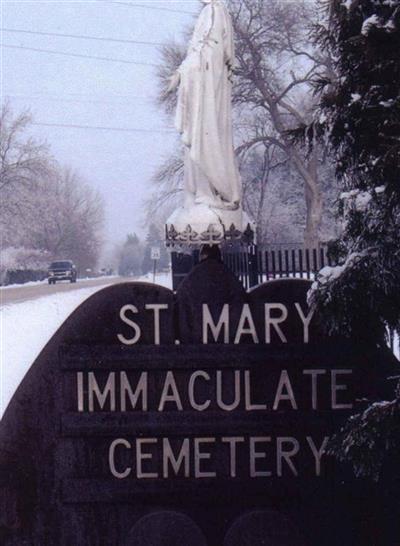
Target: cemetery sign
[(207, 411)]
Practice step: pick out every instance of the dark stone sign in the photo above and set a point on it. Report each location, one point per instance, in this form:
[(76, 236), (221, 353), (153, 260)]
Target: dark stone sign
[(198, 418)]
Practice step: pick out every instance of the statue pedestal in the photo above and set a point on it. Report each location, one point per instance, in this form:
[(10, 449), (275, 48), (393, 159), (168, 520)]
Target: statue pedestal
[(199, 225), (197, 230)]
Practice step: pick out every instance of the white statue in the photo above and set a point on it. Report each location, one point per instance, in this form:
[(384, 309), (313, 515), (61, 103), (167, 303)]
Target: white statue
[(204, 119)]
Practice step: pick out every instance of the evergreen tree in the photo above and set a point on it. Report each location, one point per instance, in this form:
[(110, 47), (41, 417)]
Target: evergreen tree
[(131, 256), (360, 112), (154, 239)]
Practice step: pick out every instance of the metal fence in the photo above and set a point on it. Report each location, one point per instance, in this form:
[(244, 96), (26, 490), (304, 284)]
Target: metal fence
[(254, 265)]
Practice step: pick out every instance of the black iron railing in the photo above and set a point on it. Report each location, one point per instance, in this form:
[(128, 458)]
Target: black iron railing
[(253, 265)]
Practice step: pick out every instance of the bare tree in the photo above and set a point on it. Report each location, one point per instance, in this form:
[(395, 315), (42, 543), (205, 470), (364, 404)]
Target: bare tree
[(168, 180), (276, 65), (273, 196), (23, 161), (172, 55), (256, 172), (65, 219), (42, 206)]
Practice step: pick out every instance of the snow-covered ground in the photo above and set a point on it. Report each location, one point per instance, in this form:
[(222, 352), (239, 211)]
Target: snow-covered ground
[(26, 327)]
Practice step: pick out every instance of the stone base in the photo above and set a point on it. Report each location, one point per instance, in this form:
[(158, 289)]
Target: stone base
[(202, 224)]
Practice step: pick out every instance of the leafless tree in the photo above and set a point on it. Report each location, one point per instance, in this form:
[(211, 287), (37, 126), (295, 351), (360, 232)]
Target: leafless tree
[(23, 162), (168, 180), (276, 66), (172, 55), (44, 207), (66, 219), (256, 175)]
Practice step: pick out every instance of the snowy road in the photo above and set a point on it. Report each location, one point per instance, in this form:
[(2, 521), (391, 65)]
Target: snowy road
[(31, 317), (17, 294)]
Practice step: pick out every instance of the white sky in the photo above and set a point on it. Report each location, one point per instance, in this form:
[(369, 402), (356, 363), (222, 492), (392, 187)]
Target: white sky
[(60, 89)]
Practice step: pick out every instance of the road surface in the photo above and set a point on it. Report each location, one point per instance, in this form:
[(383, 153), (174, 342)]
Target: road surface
[(18, 294)]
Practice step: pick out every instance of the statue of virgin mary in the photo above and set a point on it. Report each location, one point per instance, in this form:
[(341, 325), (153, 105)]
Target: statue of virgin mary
[(204, 113)]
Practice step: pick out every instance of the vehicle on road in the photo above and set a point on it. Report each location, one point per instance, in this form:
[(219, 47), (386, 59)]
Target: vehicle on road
[(63, 270)]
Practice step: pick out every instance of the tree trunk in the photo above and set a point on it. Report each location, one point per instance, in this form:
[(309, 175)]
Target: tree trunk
[(308, 169), (314, 206), (313, 197), (314, 203)]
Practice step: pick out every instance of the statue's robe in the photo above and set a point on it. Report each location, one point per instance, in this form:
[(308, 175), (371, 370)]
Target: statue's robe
[(204, 112)]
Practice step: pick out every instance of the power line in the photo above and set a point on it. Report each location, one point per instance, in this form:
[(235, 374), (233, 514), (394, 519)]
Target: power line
[(77, 101), (81, 55), (99, 128), (151, 7), (80, 36), (112, 96)]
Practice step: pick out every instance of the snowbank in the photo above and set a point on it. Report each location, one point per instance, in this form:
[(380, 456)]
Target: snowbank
[(37, 283), (26, 327)]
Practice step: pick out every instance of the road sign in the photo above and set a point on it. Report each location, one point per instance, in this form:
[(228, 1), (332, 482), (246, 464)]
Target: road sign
[(155, 253)]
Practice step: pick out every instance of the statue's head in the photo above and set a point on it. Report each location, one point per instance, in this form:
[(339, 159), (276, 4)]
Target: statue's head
[(207, 2)]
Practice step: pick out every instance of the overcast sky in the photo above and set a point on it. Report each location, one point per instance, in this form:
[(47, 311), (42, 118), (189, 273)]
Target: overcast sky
[(74, 90)]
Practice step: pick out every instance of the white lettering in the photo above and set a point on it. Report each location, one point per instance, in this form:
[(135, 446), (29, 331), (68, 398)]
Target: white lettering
[(79, 384), (176, 463), (156, 307), (232, 441), (335, 388), (141, 390), (317, 452), (286, 454), (247, 395), (131, 323), (254, 455), (140, 457), (101, 396), (192, 401), (173, 396), (250, 330), (236, 401), (306, 321), (199, 456), (284, 383), (111, 458), (269, 321), (314, 385), (223, 322)]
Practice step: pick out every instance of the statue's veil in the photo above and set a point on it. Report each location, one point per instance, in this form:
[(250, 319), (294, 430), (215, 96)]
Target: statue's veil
[(204, 103)]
